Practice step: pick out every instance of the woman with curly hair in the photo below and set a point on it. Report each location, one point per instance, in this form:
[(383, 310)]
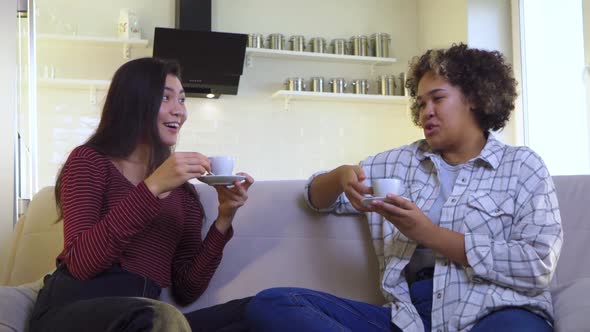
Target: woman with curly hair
[(474, 241)]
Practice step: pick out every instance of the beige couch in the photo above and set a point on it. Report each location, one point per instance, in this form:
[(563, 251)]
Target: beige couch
[(279, 242)]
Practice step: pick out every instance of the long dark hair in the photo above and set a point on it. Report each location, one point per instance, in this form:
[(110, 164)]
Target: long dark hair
[(130, 113)]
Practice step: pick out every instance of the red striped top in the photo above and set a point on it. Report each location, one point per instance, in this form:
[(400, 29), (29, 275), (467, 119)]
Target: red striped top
[(109, 220)]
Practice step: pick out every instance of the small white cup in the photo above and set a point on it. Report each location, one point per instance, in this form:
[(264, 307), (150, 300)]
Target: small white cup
[(222, 165), (382, 187)]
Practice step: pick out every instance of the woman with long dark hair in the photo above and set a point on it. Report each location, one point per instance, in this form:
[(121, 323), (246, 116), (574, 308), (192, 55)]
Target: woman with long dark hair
[(132, 222)]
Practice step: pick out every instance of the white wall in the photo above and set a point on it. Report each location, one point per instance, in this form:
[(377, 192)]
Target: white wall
[(481, 15), (8, 33), (586, 20), (441, 23), (268, 141), (99, 18)]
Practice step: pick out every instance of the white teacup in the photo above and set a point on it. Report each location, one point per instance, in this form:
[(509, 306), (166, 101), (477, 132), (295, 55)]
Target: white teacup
[(382, 187), (222, 165)]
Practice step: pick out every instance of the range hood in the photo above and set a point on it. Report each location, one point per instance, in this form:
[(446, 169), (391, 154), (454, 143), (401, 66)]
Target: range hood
[(211, 62)]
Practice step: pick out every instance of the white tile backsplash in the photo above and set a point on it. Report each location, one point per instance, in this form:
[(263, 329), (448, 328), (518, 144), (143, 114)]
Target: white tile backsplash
[(268, 141)]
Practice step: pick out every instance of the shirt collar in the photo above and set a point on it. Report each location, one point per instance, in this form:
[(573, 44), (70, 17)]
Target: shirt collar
[(491, 154)]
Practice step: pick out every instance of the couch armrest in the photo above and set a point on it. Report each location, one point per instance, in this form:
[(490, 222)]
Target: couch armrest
[(571, 306), (9, 252), (16, 305)]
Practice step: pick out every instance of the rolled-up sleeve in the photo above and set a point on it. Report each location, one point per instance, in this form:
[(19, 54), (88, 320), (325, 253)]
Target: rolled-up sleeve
[(341, 206)]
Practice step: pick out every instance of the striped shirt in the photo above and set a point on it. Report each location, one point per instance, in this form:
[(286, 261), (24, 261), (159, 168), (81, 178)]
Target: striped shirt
[(503, 201), (108, 220)]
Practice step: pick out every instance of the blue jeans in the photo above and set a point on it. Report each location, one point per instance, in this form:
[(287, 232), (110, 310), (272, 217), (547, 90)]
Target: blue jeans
[(512, 319), (298, 309), (119, 300)]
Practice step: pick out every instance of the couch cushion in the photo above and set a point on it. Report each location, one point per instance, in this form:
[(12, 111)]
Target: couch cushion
[(572, 193), (279, 242), (9, 251), (571, 306), (40, 242), (16, 305)]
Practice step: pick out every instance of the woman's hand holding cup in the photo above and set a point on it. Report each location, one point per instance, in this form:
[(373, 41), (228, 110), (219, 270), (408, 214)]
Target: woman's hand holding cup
[(176, 170), (351, 182)]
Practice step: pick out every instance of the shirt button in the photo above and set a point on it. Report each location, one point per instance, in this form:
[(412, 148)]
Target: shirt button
[(438, 296), (463, 179), (444, 263), (453, 200)]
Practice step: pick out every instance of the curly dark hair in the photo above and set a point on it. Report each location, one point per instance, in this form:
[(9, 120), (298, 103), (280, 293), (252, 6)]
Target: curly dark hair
[(483, 77)]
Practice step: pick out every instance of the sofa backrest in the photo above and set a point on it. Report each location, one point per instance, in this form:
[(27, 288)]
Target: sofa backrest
[(573, 194), (279, 242)]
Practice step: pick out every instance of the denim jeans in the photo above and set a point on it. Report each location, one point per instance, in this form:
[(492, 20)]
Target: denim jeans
[(512, 319), (298, 309), (117, 300)]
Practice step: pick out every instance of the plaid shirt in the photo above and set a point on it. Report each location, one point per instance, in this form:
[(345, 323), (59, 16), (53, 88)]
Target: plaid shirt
[(504, 203)]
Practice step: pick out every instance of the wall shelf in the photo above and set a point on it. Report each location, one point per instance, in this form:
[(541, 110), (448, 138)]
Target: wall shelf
[(324, 57), (78, 84), (67, 83), (126, 43), (338, 97), (91, 39)]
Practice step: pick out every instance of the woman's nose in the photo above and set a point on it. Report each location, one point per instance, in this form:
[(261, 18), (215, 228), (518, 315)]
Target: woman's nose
[(178, 110), (428, 111)]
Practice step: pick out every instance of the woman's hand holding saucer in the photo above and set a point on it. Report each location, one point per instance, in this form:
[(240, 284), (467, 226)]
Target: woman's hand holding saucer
[(231, 198), (405, 215)]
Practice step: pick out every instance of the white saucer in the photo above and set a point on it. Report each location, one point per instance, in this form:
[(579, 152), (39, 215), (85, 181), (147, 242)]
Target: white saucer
[(367, 201), (222, 180)]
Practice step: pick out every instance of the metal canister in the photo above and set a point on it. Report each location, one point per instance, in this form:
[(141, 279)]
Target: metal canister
[(339, 46), (359, 45), (317, 45), (295, 84), (380, 44), (255, 40), (401, 85), (360, 86), (317, 84), (386, 85), (338, 85), (297, 43), (276, 41)]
